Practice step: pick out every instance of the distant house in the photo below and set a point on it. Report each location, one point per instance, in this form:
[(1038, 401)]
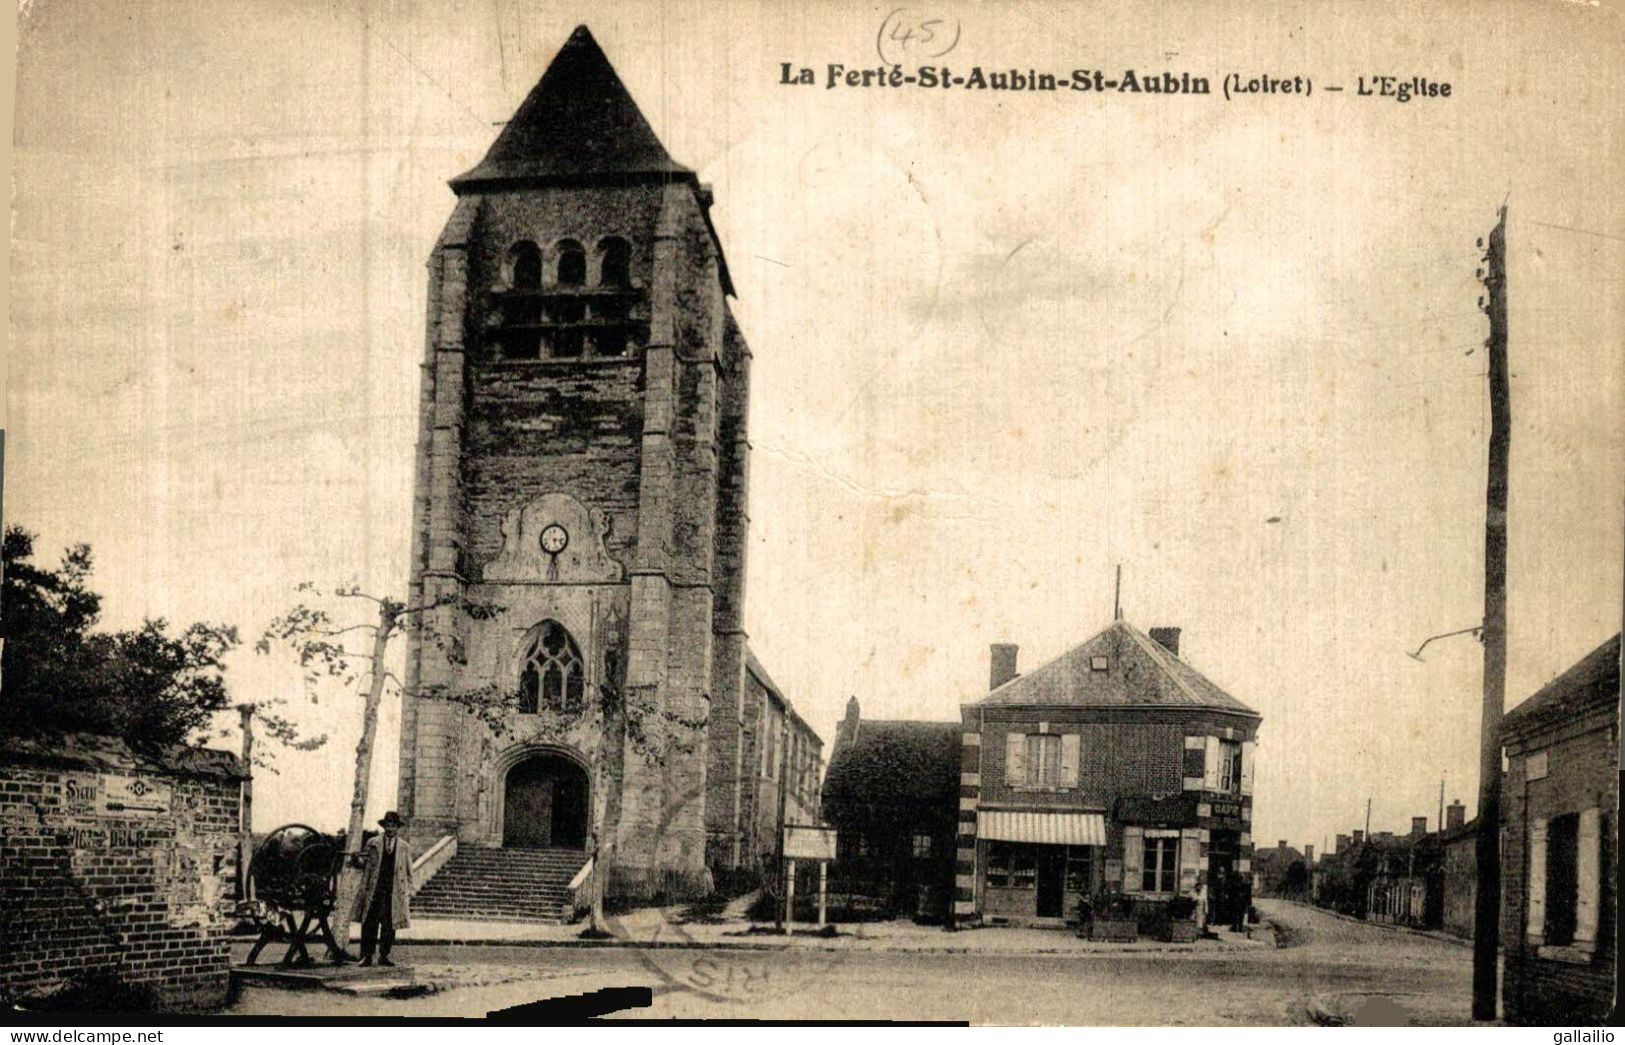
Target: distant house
[(1273, 874), (1559, 819), (891, 792), (1459, 870), (1116, 766), (1405, 886)]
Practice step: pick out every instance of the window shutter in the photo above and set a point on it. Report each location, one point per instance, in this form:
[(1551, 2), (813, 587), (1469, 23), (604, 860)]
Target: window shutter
[(1133, 858), (1015, 758), (1190, 859), (1194, 755), (1535, 887), (1071, 744), (1247, 747), (1589, 859), (1210, 764)]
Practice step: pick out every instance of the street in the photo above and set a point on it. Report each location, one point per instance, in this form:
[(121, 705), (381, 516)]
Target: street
[(1368, 973)]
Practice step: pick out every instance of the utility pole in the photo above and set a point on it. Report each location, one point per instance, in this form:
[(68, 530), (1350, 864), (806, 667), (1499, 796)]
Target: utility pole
[(786, 888), (1368, 819), (1439, 823), (1486, 922), (1117, 595), (245, 826)]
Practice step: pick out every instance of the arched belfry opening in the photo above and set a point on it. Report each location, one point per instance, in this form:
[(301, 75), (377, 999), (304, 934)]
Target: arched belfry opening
[(545, 803)]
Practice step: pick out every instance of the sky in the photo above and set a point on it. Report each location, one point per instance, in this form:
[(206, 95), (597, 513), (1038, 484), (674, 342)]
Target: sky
[(1003, 342)]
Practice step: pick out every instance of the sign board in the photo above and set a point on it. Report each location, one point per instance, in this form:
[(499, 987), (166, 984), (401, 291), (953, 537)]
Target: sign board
[(807, 842), (132, 796)]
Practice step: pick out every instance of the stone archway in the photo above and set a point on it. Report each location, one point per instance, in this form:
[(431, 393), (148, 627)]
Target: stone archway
[(545, 803)]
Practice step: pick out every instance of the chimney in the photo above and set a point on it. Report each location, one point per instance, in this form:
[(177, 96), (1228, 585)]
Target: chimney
[(1168, 639), (1281, 845), (1309, 855), (1002, 664), (1359, 836), (1419, 826), (846, 733), (1455, 815), (1343, 843)]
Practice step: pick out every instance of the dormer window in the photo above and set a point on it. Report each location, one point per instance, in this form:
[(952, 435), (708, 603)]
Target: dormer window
[(572, 264)]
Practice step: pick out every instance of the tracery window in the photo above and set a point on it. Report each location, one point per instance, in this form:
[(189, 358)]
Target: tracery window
[(552, 675)]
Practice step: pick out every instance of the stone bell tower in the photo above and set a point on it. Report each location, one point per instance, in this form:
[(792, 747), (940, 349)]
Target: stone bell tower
[(581, 470)]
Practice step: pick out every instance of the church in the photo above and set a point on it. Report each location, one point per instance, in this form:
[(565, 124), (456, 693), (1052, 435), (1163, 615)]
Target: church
[(581, 479)]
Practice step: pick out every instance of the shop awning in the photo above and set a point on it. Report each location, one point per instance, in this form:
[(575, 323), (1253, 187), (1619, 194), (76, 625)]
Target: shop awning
[(1005, 825)]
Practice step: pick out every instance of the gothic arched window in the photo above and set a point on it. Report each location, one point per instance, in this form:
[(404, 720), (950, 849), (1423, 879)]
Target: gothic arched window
[(615, 262), (572, 262), (553, 674), (524, 266)]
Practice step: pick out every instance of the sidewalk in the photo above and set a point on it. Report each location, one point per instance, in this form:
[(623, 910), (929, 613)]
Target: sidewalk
[(657, 927)]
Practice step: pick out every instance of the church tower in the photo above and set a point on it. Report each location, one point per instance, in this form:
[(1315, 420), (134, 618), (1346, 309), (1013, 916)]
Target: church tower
[(580, 502)]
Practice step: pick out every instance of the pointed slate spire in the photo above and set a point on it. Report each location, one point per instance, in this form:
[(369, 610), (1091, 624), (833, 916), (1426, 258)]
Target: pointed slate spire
[(577, 122)]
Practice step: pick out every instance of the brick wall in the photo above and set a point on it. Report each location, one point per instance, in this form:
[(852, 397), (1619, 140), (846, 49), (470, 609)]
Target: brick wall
[(88, 889), (1124, 751), (1581, 773)]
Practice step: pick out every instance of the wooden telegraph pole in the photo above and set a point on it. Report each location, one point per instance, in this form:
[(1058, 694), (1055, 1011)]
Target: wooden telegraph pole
[(1486, 924), (245, 828)]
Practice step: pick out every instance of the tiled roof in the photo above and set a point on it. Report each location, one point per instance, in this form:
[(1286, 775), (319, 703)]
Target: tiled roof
[(1139, 671), (1591, 683), (576, 122), (895, 760)]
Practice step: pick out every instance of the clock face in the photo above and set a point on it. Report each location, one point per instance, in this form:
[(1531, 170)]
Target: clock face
[(554, 538)]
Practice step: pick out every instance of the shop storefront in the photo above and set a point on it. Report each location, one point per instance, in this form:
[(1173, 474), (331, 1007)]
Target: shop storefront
[(1039, 866)]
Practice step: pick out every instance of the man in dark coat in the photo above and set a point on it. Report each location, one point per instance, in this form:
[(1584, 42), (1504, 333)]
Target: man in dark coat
[(386, 888)]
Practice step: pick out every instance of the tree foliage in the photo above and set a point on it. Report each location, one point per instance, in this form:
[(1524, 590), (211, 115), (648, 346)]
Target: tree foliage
[(148, 685)]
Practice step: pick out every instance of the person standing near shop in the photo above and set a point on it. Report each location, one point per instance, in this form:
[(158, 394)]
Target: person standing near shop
[(386, 889)]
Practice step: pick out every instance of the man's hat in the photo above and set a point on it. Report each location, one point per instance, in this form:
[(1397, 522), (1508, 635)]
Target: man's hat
[(392, 819)]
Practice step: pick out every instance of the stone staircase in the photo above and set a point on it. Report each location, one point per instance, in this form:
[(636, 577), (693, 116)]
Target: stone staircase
[(502, 885)]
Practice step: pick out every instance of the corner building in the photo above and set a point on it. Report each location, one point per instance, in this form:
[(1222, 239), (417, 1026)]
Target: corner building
[(581, 469), (1116, 766)]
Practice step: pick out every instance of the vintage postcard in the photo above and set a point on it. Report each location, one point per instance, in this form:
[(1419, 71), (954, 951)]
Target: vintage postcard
[(1076, 513)]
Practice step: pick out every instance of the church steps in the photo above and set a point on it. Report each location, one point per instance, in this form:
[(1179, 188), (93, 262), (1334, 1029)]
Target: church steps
[(506, 885)]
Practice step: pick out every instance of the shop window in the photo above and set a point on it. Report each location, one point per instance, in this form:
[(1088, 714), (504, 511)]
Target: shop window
[(1001, 864), (1024, 867), (615, 262), (922, 845), (1159, 870), (1080, 862), (572, 264), (552, 675), (1229, 765)]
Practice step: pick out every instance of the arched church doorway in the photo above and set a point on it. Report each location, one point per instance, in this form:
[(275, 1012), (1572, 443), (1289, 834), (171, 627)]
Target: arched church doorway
[(545, 804)]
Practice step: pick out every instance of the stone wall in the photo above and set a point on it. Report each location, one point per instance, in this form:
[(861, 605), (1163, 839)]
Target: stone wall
[(117, 867)]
